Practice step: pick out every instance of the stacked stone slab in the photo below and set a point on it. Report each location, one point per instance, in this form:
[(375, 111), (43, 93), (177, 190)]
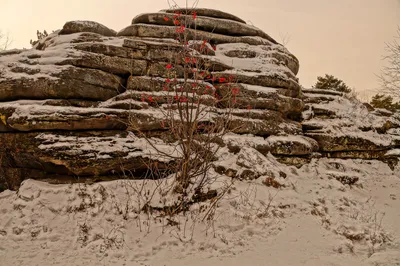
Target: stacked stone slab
[(67, 103), (346, 128)]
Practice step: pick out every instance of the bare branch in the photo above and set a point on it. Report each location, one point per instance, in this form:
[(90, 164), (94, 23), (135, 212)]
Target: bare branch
[(285, 38), (5, 41), (390, 74), (195, 106)]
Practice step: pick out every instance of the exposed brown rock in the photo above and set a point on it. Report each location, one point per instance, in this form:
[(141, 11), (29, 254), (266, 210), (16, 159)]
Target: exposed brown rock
[(68, 83), (86, 26), (208, 24), (205, 12), (87, 155), (69, 107), (157, 31)]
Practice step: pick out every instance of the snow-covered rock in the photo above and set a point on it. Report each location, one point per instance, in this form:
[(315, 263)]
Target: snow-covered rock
[(346, 128), (86, 81)]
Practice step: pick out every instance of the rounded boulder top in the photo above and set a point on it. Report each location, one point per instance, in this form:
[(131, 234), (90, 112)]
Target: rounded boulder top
[(205, 12), (86, 26)]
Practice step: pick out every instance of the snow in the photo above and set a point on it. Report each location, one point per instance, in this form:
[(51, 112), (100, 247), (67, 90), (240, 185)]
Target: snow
[(284, 139), (114, 41), (47, 62), (313, 216), (322, 92), (35, 109), (259, 89), (243, 140), (112, 102), (86, 23), (350, 117), (58, 50), (101, 147), (394, 152), (394, 131), (312, 219), (316, 95), (262, 64)]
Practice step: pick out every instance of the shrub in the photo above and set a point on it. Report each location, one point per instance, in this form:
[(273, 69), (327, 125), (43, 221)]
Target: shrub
[(196, 108), (384, 101), (40, 35), (330, 82)]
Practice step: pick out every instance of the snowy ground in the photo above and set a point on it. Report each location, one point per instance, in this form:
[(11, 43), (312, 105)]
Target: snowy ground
[(312, 220)]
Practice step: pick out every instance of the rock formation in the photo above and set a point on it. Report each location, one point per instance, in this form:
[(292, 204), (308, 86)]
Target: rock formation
[(346, 128), (66, 104)]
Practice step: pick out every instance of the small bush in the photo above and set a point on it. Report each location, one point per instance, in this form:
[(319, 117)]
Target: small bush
[(40, 35)]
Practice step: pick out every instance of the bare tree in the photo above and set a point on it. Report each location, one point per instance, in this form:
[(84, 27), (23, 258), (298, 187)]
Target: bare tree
[(5, 41), (390, 76), (196, 109), (285, 38)]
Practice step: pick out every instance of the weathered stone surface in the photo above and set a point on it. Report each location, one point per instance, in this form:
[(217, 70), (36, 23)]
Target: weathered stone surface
[(272, 80), (331, 143), (318, 98), (84, 37), (129, 59), (72, 153), (205, 12), (208, 24), (113, 50), (10, 52), (69, 83), (251, 164), (66, 119), (289, 107), (323, 113), (262, 127), (71, 102), (276, 53), (263, 123), (67, 104), (347, 128), (294, 160), (256, 165), (86, 26), (319, 91), (292, 145), (255, 97), (41, 117), (124, 102), (277, 145), (157, 31), (110, 64), (363, 154), (256, 91)]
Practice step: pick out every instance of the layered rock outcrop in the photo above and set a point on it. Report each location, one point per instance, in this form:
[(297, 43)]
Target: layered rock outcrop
[(67, 104), (346, 128)]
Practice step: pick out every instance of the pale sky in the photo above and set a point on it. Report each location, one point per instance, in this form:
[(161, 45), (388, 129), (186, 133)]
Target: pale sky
[(345, 38)]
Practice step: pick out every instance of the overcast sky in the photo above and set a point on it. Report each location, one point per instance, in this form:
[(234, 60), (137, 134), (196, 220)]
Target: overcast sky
[(345, 38)]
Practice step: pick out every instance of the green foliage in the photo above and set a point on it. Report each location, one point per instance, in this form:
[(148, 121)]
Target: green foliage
[(384, 101), (40, 35), (330, 82)]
